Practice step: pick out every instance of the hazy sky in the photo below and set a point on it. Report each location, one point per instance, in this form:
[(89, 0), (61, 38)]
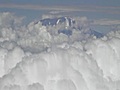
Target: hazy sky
[(66, 2)]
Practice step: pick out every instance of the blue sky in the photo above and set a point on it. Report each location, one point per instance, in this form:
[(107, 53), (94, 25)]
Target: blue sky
[(92, 9)]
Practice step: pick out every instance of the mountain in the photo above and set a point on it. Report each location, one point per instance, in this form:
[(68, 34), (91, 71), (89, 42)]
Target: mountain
[(55, 21), (97, 34), (69, 24)]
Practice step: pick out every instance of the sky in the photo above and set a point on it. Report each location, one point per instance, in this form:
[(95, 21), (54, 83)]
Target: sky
[(92, 9), (66, 2)]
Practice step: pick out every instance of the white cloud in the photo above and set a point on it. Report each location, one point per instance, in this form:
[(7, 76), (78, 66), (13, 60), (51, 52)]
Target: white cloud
[(9, 20), (37, 59)]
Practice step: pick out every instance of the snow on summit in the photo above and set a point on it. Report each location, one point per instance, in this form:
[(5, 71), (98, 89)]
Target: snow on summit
[(58, 53)]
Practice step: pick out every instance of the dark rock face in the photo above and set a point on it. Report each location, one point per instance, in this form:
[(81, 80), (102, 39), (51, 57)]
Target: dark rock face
[(67, 32)]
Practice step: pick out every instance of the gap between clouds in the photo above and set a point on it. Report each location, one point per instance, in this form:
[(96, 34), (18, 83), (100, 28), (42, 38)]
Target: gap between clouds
[(106, 22)]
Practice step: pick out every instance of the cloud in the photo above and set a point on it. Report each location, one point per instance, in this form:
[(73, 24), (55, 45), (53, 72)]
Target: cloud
[(66, 64), (8, 19), (112, 10)]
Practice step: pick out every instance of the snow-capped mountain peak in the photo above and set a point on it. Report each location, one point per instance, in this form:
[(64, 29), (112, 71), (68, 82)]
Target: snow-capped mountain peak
[(66, 25), (57, 20)]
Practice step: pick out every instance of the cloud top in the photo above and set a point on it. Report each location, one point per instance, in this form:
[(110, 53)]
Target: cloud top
[(37, 57)]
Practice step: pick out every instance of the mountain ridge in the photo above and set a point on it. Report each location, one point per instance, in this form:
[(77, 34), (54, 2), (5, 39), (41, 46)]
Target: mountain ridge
[(68, 24)]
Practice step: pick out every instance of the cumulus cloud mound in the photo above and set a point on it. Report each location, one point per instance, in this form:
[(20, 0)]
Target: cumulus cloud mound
[(40, 57)]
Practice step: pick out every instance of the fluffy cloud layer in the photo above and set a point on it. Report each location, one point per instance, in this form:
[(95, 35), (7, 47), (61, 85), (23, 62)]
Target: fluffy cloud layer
[(9, 20), (35, 57)]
